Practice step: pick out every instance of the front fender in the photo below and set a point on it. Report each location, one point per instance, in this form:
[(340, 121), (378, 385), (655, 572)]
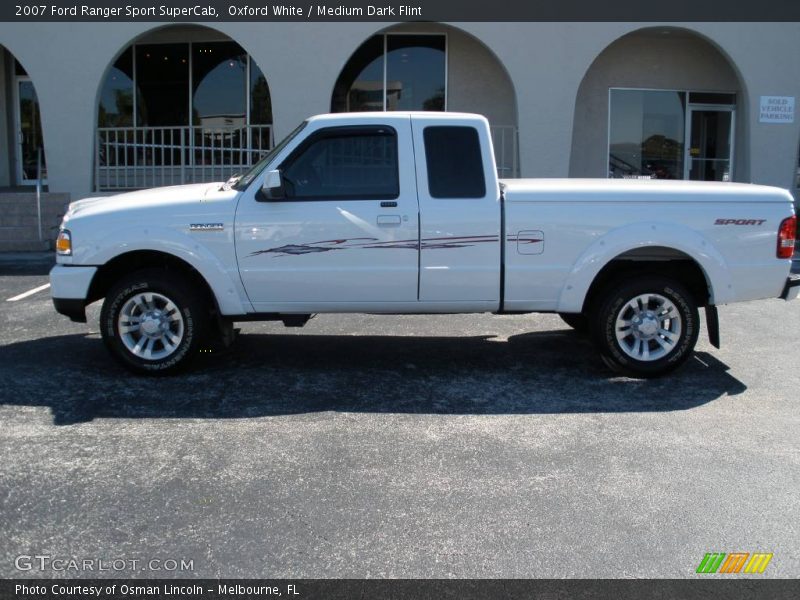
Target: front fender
[(642, 235), (223, 281)]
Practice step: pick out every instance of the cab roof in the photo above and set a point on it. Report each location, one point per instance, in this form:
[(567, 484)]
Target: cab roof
[(394, 114)]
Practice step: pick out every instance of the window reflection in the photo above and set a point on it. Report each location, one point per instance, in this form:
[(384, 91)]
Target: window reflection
[(646, 138), (360, 85), (260, 101), (116, 97), (410, 75), (219, 84), (415, 72)]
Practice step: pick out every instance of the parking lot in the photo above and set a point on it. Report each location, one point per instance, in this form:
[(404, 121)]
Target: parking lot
[(402, 446)]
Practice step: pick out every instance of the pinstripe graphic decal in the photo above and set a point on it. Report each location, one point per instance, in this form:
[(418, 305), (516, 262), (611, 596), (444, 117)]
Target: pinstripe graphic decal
[(368, 243)]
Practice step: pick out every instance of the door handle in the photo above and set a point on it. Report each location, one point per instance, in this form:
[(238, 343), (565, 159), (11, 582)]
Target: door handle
[(389, 220)]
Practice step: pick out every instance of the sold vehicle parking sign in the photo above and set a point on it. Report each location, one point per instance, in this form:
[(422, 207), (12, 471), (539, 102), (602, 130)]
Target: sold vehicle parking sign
[(776, 109)]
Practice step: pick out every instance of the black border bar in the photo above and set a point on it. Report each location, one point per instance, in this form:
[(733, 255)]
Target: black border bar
[(667, 11), (705, 587)]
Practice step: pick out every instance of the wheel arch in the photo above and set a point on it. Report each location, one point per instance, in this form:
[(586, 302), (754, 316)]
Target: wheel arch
[(653, 260), (135, 260), (120, 251), (655, 248)]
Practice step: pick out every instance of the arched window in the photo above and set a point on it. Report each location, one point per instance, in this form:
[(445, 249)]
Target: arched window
[(214, 78), (394, 71), (181, 112)]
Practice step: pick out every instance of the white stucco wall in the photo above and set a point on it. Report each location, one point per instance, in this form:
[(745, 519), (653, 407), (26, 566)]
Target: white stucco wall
[(546, 63)]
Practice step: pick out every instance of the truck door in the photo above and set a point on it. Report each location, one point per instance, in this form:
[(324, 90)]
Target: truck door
[(346, 233), (459, 201)]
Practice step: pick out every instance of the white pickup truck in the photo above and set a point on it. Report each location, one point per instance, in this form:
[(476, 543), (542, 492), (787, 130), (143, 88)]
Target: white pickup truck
[(403, 213)]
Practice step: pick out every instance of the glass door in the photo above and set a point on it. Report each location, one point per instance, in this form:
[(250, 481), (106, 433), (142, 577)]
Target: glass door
[(29, 133), (709, 153)]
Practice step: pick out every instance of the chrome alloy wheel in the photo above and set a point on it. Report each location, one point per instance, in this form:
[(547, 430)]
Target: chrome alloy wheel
[(648, 327), (150, 326)]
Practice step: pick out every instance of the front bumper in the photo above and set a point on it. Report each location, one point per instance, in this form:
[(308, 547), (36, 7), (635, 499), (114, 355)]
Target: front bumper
[(69, 288), (792, 288), (74, 308)]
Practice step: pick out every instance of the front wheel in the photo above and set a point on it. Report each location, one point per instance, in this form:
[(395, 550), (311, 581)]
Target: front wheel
[(153, 322), (646, 328)]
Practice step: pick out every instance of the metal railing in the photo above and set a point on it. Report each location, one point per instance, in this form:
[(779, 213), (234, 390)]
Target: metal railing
[(505, 139), (128, 158)]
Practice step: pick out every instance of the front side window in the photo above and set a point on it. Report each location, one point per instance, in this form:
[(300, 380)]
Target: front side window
[(455, 163), (354, 164), (257, 168)]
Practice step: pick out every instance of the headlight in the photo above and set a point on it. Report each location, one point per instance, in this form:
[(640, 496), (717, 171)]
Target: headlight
[(64, 243)]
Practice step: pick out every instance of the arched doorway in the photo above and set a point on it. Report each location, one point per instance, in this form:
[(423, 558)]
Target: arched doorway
[(182, 104), (660, 103), (432, 67), (21, 139)]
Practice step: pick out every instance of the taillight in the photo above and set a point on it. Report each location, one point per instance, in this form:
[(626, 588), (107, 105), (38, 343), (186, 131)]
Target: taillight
[(786, 236)]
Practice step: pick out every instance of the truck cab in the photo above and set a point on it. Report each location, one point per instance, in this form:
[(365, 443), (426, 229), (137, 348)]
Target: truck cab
[(375, 213)]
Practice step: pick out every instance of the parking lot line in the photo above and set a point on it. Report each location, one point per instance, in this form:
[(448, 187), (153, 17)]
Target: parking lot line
[(28, 293)]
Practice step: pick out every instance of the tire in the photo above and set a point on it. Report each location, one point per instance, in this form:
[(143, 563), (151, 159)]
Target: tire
[(660, 318), (577, 321), (153, 321)]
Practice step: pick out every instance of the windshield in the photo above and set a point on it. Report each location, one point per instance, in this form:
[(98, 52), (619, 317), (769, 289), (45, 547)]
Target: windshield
[(248, 177)]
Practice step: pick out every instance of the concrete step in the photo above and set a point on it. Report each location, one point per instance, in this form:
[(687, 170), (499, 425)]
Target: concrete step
[(24, 246), (13, 234), (29, 220), (30, 208), (25, 196), (23, 204)]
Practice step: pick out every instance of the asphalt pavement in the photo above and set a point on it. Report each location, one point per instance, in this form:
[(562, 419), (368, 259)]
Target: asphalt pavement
[(402, 446)]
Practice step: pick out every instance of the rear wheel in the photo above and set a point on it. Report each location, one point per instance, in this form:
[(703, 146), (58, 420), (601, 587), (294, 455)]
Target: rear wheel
[(646, 328), (153, 322)]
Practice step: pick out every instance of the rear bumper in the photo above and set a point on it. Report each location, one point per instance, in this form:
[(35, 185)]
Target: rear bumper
[(69, 287), (792, 287)]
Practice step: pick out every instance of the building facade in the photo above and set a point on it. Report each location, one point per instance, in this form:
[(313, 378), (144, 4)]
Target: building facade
[(95, 108)]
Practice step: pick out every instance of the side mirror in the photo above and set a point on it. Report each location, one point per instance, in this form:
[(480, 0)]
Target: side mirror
[(272, 188)]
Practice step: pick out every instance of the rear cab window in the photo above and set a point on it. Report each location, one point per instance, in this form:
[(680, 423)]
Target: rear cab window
[(454, 162)]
